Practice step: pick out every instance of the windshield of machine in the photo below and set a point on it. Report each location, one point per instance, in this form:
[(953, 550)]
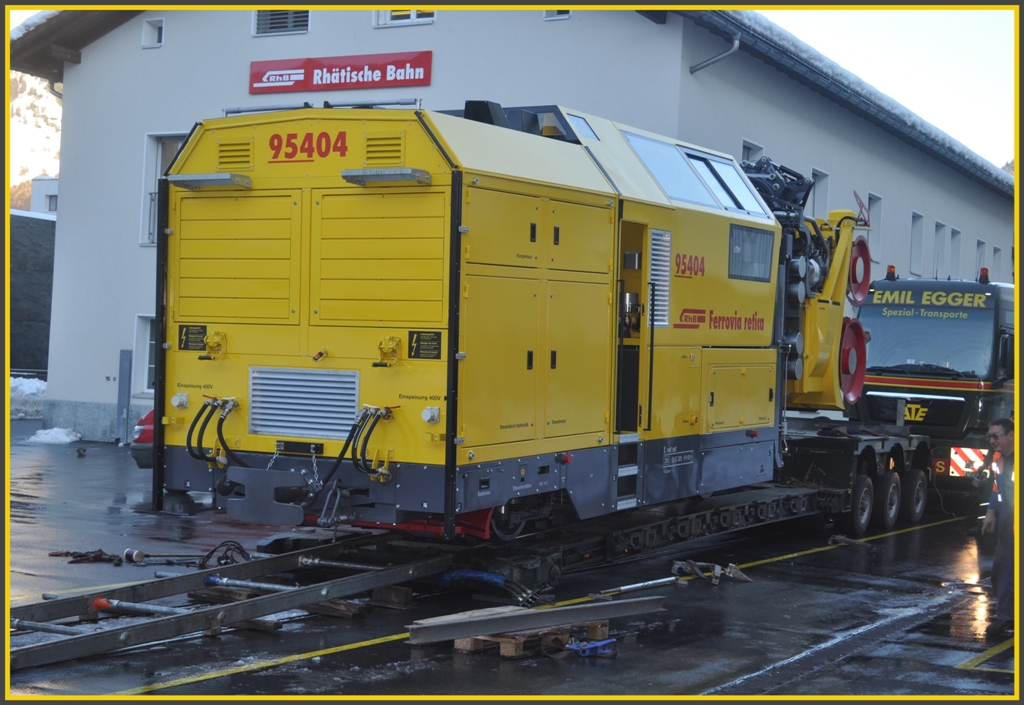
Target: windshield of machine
[(928, 340)]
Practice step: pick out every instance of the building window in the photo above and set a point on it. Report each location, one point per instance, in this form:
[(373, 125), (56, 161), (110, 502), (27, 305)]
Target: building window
[(875, 234), (954, 253), (144, 356), (556, 14), (397, 18), (916, 243), (997, 264), (979, 258), (940, 250), (160, 152), (51, 204), (819, 194), (280, 22), (152, 34), (751, 151)]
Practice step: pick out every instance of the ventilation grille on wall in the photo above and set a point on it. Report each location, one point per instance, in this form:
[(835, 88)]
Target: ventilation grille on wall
[(385, 148), (302, 403), (234, 156), (661, 274), (281, 21)]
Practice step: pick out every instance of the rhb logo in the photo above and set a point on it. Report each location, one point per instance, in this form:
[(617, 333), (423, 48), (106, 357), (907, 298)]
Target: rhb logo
[(281, 77)]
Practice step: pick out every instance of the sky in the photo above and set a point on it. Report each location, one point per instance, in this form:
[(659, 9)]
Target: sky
[(954, 68)]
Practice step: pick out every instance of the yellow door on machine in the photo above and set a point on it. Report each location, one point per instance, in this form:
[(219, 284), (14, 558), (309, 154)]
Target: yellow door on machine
[(580, 238), (504, 228), (577, 358), (498, 376), (377, 258), (236, 258), (739, 389)]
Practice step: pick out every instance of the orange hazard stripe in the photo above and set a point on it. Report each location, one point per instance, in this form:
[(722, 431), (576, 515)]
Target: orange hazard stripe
[(917, 382)]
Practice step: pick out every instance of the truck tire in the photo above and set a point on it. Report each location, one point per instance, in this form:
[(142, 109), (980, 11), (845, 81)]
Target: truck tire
[(887, 501), (914, 496), (856, 521)]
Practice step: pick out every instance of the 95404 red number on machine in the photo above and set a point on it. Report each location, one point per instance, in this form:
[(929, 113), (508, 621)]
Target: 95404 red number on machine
[(293, 147)]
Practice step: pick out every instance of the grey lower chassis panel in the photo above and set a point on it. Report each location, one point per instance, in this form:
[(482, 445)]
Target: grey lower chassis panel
[(596, 482)]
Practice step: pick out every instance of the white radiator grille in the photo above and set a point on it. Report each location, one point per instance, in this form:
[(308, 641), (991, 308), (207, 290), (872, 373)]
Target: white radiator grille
[(302, 403), (661, 274)]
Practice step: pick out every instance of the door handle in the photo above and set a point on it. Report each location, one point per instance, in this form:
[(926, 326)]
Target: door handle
[(554, 358), (529, 359), (533, 232)]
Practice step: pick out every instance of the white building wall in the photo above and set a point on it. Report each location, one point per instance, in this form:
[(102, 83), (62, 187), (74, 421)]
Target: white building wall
[(43, 188), (615, 64)]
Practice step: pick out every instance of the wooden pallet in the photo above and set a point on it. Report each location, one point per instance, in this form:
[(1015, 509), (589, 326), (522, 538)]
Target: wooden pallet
[(514, 645)]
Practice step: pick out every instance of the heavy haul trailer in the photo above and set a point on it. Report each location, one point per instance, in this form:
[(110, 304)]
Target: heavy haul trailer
[(442, 323), (940, 359)]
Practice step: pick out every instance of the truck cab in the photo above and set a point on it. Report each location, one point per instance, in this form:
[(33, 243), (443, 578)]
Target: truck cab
[(940, 360)]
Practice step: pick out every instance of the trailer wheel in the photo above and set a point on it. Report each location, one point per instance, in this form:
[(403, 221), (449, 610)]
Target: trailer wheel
[(887, 500), (915, 496), (856, 522)]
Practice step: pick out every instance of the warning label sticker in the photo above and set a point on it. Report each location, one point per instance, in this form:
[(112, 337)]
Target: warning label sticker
[(425, 344), (191, 338)]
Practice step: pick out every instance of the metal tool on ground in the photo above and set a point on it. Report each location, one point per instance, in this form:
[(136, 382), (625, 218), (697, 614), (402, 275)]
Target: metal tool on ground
[(836, 538), (101, 604), (97, 556), (44, 627), (607, 594), (132, 555), (697, 569), (310, 562)]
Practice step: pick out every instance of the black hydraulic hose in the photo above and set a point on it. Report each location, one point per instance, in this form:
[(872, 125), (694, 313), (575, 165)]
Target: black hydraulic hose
[(355, 444), (207, 406), (826, 252), (344, 449), (366, 440), (224, 444), (202, 432)]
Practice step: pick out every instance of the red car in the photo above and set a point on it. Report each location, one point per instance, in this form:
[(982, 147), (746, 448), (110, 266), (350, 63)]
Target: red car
[(142, 441)]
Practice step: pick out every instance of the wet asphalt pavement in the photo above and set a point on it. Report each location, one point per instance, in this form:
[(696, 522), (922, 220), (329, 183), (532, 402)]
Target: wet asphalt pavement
[(817, 620)]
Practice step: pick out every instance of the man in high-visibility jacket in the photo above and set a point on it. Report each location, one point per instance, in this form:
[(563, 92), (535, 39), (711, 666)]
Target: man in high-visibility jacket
[(999, 518)]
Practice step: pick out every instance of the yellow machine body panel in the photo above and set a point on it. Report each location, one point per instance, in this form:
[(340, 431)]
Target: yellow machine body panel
[(554, 297), (739, 389), (819, 387)]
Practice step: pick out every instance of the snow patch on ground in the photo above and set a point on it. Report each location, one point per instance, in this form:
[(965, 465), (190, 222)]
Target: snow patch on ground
[(55, 435), (27, 398)]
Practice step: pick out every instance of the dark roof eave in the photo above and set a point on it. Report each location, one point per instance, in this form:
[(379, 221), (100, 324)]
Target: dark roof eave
[(42, 50), (761, 47)]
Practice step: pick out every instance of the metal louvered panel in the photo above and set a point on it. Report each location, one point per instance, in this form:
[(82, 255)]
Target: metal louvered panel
[(385, 148), (302, 403), (661, 274), (234, 156), (281, 21)]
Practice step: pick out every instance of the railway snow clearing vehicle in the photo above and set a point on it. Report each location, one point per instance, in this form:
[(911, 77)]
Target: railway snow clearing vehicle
[(461, 323)]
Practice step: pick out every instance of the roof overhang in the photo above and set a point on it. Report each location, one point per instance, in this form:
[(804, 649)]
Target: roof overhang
[(727, 24), (43, 49)]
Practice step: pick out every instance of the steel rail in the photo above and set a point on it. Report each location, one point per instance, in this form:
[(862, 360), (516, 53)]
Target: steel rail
[(445, 628), (81, 605), (217, 616)]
